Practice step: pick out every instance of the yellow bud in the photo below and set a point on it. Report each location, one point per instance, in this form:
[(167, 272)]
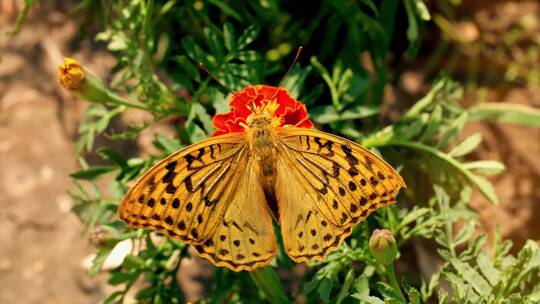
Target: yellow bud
[(71, 74)]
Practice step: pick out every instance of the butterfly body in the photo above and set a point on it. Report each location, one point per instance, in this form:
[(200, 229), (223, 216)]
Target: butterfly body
[(222, 193)]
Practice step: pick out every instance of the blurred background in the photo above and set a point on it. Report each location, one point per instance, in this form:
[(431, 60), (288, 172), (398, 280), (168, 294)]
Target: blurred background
[(491, 47)]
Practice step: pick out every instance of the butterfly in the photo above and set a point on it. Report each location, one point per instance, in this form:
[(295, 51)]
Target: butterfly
[(223, 193)]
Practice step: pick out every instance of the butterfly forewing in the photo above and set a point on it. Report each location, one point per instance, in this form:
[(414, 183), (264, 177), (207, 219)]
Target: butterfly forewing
[(341, 182), (186, 194)]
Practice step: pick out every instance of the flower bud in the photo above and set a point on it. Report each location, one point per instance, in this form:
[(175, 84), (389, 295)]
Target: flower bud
[(383, 246), (83, 83), (71, 74)]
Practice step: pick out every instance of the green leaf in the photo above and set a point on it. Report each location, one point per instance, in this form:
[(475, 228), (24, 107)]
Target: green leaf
[(167, 144), (414, 296), (491, 273), (421, 10), (485, 187), (93, 172), (229, 37), (412, 29), (433, 124), (188, 67), (466, 146), (112, 155), (248, 36), (268, 282), (329, 114), (486, 167), (471, 276), (367, 299), (344, 291), (114, 297), (465, 233), (98, 261), (133, 262), (325, 288), (118, 277), (226, 9), (426, 101), (507, 113)]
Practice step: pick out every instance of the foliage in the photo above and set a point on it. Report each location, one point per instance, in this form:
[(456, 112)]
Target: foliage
[(158, 45)]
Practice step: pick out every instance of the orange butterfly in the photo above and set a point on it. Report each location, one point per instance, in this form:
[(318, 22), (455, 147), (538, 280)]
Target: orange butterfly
[(264, 162)]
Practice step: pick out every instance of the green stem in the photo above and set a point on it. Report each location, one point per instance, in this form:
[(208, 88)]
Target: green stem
[(443, 156), (268, 282), (121, 101), (391, 272)]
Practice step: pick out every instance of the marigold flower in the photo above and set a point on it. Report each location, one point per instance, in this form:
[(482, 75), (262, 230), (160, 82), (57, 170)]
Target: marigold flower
[(287, 110)]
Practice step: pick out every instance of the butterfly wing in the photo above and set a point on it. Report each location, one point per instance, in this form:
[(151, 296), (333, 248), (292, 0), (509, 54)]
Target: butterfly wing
[(207, 195), (186, 194), (245, 238), (325, 185)]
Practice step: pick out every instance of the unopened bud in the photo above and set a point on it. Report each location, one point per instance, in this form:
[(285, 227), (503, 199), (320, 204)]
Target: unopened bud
[(383, 246), (85, 84), (71, 74)]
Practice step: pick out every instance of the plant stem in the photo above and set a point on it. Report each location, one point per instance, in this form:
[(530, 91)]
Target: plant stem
[(121, 101), (268, 282), (393, 279)]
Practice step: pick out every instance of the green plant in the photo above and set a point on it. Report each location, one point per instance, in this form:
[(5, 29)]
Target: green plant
[(158, 45)]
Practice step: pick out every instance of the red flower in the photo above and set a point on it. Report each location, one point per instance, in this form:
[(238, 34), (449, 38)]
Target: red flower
[(289, 110)]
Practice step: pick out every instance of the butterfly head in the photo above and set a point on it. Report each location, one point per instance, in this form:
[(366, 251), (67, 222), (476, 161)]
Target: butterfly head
[(264, 116)]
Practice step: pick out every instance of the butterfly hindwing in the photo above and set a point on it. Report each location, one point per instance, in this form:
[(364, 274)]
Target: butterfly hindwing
[(307, 233), (186, 194), (340, 181), (245, 239)]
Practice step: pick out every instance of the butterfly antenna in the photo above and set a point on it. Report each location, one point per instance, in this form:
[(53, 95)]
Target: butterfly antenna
[(287, 73), (291, 67), (204, 69)]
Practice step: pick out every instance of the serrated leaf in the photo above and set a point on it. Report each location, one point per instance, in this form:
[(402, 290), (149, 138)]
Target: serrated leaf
[(467, 145), (491, 273), (465, 233), (412, 216), (472, 277)]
